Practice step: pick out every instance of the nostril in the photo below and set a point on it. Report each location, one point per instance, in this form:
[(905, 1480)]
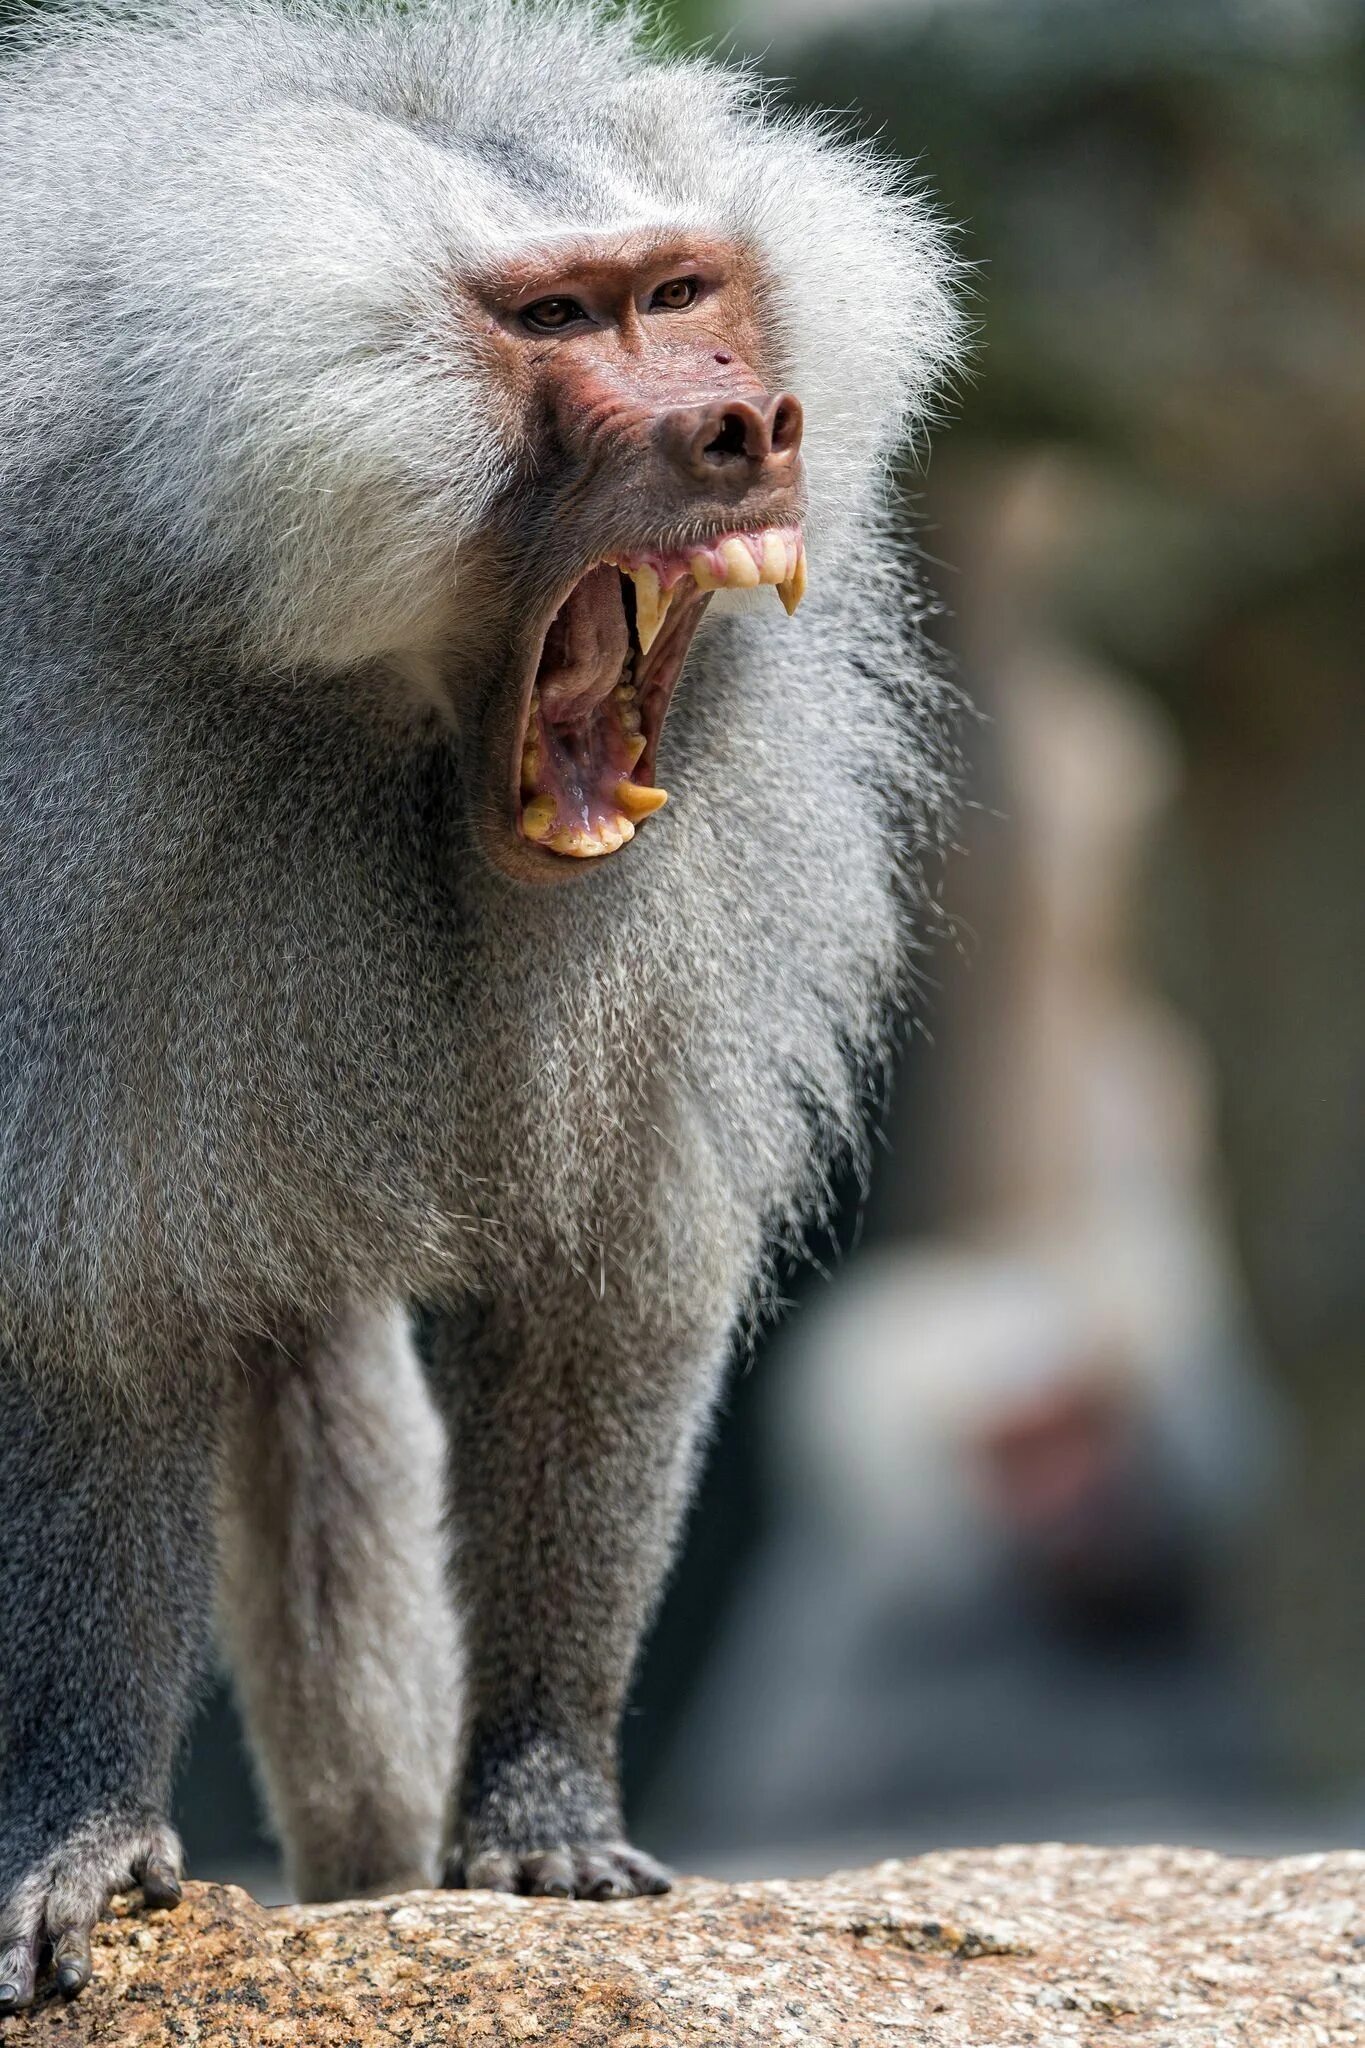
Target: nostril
[(730, 440), (786, 427)]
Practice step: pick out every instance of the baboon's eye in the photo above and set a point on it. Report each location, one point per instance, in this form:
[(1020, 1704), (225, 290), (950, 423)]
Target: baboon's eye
[(548, 316), (675, 296)]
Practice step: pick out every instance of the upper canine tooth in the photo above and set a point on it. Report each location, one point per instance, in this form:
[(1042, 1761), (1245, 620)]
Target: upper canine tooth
[(651, 605), (741, 570), (774, 558), (794, 589), (638, 800)]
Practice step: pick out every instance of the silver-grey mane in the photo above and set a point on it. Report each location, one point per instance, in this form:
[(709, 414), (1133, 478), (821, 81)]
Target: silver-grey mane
[(269, 1029)]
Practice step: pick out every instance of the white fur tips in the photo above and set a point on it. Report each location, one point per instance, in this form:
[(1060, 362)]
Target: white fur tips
[(267, 392)]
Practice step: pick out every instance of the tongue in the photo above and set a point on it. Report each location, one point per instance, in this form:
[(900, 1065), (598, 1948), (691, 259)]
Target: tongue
[(586, 649)]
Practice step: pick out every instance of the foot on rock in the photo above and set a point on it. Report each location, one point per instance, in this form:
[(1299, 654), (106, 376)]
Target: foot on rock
[(51, 1897), (563, 1870)]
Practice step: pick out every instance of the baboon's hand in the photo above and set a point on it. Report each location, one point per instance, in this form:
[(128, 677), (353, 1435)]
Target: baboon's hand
[(54, 1887), (561, 1870)]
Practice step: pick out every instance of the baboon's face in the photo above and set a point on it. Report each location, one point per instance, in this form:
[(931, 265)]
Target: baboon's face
[(659, 468)]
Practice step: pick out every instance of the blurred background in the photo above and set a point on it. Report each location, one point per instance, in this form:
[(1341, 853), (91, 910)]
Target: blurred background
[(1040, 1514)]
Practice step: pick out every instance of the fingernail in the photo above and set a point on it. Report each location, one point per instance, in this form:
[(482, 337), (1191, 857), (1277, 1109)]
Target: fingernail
[(70, 1979), (9, 1997)]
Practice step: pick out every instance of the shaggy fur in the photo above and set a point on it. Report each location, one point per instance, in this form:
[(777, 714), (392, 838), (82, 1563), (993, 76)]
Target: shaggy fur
[(278, 1050)]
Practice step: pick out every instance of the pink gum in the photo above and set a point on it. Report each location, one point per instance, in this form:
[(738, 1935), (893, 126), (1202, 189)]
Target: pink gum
[(673, 567)]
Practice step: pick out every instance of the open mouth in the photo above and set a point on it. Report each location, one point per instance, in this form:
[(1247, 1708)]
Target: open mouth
[(611, 658)]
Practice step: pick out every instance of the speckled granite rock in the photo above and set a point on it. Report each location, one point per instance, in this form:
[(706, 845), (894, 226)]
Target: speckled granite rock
[(1025, 1948)]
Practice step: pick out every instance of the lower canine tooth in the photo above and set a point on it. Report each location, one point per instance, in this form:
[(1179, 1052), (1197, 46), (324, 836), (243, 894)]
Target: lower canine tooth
[(538, 818), (794, 589), (741, 570), (638, 800)]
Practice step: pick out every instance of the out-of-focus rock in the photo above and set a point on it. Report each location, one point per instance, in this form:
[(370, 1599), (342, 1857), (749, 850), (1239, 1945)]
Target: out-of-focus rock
[(1027, 1947)]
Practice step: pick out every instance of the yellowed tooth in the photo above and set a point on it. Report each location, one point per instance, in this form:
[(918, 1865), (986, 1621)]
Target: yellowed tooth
[(741, 570), (775, 568), (538, 817), (575, 842), (635, 746), (608, 835), (703, 575), (651, 605), (794, 589), (646, 583), (639, 800)]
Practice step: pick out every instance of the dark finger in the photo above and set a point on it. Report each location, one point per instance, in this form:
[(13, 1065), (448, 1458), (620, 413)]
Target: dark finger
[(599, 1876), (549, 1874), (494, 1871), (18, 1973), (71, 1960), (648, 1878), (160, 1885)]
